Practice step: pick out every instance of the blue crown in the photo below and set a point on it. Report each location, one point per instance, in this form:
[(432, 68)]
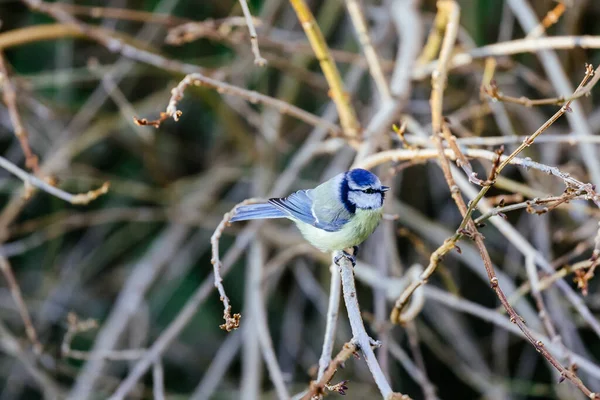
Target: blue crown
[(362, 177)]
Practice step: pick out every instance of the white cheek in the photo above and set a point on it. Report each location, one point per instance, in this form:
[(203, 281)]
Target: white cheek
[(364, 200)]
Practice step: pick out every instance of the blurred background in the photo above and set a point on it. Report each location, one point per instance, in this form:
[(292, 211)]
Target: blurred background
[(121, 287)]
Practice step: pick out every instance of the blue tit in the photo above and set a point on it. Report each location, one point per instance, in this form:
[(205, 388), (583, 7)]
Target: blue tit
[(338, 214)]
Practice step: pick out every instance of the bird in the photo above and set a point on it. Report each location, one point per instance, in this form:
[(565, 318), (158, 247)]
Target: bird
[(339, 214)]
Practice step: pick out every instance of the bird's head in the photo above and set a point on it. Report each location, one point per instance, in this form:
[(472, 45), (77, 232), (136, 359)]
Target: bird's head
[(362, 189)]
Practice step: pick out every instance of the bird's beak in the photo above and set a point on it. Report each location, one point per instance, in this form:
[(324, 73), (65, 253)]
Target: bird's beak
[(385, 188)]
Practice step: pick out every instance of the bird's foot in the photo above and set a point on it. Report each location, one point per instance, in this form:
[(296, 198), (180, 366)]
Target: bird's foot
[(348, 256), (375, 344)]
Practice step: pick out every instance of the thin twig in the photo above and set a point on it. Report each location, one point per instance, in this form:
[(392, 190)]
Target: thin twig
[(9, 96), (17, 296), (258, 59), (317, 388), (359, 334), (249, 95), (158, 381), (76, 326), (550, 19), (81, 198), (231, 321), (121, 13), (362, 30), (331, 321)]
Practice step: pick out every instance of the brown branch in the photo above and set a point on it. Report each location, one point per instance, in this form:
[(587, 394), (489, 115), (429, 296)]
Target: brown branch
[(249, 95), (76, 326), (17, 296), (231, 321), (317, 388), (467, 226), (121, 14), (9, 97)]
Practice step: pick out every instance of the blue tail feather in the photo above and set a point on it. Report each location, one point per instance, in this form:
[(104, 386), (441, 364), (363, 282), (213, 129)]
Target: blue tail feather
[(257, 211)]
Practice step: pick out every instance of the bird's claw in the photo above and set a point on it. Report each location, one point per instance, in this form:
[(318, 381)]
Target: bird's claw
[(375, 344), (348, 256)]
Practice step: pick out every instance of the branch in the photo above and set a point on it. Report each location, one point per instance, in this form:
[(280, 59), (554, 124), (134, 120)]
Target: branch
[(9, 97), (81, 198), (340, 97), (198, 79), (359, 334), (258, 59), (331, 323)]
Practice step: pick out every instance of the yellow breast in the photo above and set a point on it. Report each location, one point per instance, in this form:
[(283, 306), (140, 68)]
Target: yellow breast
[(356, 231)]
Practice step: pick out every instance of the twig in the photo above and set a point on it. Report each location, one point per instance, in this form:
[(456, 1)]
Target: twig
[(359, 334), (9, 97), (261, 325), (549, 280), (12, 347), (413, 140), (258, 59), (17, 296), (143, 274), (72, 26), (158, 381), (317, 388), (461, 160), (331, 322), (550, 19), (121, 13), (81, 198), (75, 327), (529, 204), (429, 391), (212, 28), (231, 321), (218, 367), (494, 93), (360, 25), (510, 48), (251, 96), (348, 120), (434, 39)]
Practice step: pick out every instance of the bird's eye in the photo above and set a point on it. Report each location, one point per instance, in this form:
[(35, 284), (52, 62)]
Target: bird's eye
[(368, 191)]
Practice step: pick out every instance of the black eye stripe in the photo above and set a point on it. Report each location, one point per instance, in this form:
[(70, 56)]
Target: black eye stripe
[(367, 191)]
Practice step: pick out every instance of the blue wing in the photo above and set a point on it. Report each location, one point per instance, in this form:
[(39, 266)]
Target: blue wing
[(299, 205), (257, 211)]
